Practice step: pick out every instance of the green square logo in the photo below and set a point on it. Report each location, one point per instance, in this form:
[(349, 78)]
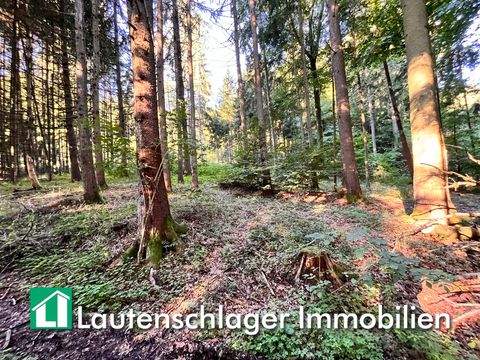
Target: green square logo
[(51, 309)]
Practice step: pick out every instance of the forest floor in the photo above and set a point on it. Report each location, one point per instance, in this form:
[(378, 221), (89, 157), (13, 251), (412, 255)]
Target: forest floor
[(242, 251)]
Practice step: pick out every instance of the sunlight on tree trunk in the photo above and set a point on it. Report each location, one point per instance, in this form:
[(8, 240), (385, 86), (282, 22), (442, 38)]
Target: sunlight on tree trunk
[(156, 224), (430, 185)]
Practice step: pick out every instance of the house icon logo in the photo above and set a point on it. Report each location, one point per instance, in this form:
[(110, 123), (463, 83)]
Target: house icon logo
[(50, 308)]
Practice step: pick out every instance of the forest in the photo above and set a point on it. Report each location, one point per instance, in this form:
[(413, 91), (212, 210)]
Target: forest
[(254, 160)]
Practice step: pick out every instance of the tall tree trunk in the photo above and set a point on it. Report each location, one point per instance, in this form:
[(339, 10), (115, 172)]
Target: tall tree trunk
[(363, 120), (373, 120), (191, 90), (122, 122), (162, 114), (91, 193), (97, 135), (241, 86), (469, 122), (14, 97), (262, 126), (306, 90), (350, 172), (156, 225), (407, 155), (317, 99), (67, 93), (430, 181), (181, 113)]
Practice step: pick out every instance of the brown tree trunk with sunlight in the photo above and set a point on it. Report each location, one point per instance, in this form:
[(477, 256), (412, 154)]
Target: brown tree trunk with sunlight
[(350, 172), (156, 225), (91, 192), (430, 185)]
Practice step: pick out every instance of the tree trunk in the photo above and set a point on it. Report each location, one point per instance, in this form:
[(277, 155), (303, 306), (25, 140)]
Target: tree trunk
[(430, 184), (262, 126), (97, 135), (162, 114), (14, 95), (30, 124), (373, 120), (407, 155), (181, 113), (122, 123), (32, 175), (91, 193), (191, 90), (156, 225), (317, 99), (350, 172), (67, 93), (306, 90), (363, 120), (241, 86)]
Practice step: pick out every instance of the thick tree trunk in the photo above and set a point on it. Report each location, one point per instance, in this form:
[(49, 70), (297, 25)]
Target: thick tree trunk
[(181, 113), (241, 86), (90, 186), (262, 126), (430, 183), (122, 122), (67, 93), (191, 90), (156, 225), (407, 155), (350, 172), (97, 134), (162, 114)]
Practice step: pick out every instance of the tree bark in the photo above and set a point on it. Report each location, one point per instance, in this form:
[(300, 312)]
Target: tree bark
[(181, 113), (407, 155), (156, 225), (191, 90), (363, 121), (91, 192), (306, 91), (262, 126), (162, 114), (373, 120), (14, 97), (350, 172), (430, 182), (122, 122), (75, 174), (317, 99), (241, 86), (97, 134)]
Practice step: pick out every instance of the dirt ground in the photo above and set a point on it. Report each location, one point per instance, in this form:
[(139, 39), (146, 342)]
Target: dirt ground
[(241, 251)]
